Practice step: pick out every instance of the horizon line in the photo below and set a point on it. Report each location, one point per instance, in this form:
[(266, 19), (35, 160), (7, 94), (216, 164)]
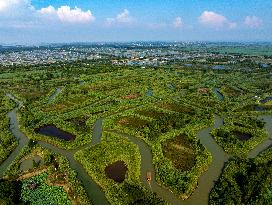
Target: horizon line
[(129, 42)]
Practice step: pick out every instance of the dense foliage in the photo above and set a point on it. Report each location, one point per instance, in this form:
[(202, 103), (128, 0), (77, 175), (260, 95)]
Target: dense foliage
[(35, 190), (59, 173), (240, 134), (114, 148), (156, 105), (7, 141), (245, 181), (165, 121), (10, 192)]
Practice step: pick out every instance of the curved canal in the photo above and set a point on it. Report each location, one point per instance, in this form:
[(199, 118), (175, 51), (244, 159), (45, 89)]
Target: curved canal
[(219, 95), (55, 94), (206, 181), (97, 196)]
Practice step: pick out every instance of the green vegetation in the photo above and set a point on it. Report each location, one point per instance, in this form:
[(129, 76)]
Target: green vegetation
[(114, 148), (58, 173), (174, 166), (7, 141), (165, 106), (181, 152), (245, 181), (164, 121), (10, 192), (240, 134), (36, 191)]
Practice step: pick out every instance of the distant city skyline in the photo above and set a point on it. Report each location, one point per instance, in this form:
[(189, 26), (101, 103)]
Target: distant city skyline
[(65, 21)]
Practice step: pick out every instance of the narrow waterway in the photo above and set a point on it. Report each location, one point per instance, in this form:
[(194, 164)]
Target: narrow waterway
[(97, 131), (268, 142), (208, 178), (55, 94), (206, 181), (218, 94), (18, 102), (20, 137), (94, 192), (97, 196)]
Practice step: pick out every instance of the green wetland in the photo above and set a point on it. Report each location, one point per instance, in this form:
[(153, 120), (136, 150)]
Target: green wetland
[(84, 133)]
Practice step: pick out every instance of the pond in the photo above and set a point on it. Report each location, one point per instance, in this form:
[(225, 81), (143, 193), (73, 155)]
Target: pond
[(254, 107), (264, 65), (218, 67), (117, 171), (149, 92), (219, 94), (28, 163), (152, 113), (54, 95), (242, 136), (53, 131), (267, 99), (262, 108), (258, 108), (178, 73)]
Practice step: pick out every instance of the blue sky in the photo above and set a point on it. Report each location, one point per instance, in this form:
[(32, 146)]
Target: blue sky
[(37, 21)]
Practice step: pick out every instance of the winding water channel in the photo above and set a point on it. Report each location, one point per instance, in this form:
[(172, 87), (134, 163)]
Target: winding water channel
[(55, 94), (219, 94), (20, 137), (206, 181), (94, 192), (268, 142), (97, 196)]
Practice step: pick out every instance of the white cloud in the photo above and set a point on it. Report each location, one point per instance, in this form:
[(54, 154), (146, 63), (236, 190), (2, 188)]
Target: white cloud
[(15, 8), (253, 22), (66, 14), (122, 18), (50, 10), (16, 14), (178, 23), (22, 14), (212, 19), (7, 4)]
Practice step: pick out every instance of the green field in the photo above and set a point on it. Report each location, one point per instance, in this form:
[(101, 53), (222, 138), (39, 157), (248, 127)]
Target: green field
[(146, 113)]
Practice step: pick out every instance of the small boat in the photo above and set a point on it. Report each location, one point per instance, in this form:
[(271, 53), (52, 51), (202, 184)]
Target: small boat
[(148, 176)]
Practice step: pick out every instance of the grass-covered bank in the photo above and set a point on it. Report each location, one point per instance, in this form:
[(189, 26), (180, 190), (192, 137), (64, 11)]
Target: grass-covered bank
[(113, 149), (160, 124), (245, 181), (7, 140), (240, 134), (58, 173)]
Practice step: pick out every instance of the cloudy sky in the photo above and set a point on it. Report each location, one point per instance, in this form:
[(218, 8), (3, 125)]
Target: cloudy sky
[(45, 21)]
